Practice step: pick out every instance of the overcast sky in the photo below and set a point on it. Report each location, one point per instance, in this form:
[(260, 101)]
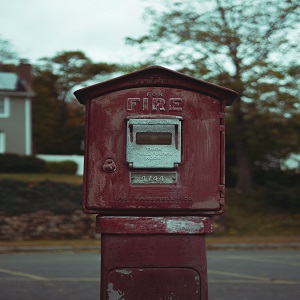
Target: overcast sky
[(39, 28)]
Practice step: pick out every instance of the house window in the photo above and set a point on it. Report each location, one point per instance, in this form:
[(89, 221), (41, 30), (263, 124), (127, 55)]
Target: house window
[(2, 142), (4, 107)]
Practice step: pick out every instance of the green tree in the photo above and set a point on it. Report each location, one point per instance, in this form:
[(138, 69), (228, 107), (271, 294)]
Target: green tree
[(8, 56), (72, 68), (45, 113), (58, 121), (250, 47)]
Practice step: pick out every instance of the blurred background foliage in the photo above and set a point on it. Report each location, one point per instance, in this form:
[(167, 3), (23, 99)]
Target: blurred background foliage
[(250, 47)]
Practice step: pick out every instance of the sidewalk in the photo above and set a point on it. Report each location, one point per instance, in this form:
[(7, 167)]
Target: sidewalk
[(212, 243), (247, 243)]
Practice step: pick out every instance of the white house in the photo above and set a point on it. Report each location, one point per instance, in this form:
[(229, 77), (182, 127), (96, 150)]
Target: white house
[(15, 111)]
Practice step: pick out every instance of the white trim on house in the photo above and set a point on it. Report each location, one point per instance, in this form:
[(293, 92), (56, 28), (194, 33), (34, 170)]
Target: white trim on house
[(28, 127), (4, 107), (2, 142)]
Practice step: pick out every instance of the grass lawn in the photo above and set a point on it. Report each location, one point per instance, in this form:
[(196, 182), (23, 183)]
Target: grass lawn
[(249, 215)]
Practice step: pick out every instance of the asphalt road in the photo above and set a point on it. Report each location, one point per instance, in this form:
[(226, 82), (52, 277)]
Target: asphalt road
[(232, 274)]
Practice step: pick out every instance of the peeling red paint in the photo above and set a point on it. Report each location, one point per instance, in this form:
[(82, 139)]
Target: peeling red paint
[(154, 194), (109, 187), (153, 225)]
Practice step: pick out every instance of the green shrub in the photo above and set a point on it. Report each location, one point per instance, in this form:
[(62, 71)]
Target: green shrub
[(13, 163), (281, 196), (62, 167), (279, 189), (18, 197)]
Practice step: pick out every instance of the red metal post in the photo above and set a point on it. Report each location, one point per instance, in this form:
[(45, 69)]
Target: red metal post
[(155, 173), (153, 257)]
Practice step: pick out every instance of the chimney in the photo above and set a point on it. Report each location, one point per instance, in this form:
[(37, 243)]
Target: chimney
[(24, 72)]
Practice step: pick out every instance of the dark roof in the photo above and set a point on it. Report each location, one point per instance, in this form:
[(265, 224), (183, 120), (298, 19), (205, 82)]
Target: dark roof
[(11, 82), (156, 76)]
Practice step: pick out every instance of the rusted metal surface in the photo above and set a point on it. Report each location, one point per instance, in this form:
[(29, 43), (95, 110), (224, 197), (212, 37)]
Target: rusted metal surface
[(154, 168), (153, 283), (153, 225), (162, 262), (142, 179)]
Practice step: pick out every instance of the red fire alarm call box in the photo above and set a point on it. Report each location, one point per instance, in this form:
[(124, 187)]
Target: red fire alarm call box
[(154, 144)]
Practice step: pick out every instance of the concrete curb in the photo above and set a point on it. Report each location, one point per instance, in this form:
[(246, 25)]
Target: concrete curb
[(16, 249), (228, 246), (260, 246)]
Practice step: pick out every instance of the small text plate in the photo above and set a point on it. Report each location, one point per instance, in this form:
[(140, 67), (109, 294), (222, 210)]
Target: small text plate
[(153, 178)]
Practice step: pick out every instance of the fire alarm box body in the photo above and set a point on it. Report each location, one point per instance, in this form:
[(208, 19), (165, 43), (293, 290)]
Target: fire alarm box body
[(154, 145)]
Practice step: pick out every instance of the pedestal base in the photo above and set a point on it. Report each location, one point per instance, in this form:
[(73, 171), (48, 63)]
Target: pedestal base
[(149, 258)]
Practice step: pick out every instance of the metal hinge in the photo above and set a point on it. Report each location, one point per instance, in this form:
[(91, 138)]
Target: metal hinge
[(222, 191), (222, 121)]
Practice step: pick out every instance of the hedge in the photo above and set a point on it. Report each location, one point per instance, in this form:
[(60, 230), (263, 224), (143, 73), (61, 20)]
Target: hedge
[(13, 163), (62, 167)]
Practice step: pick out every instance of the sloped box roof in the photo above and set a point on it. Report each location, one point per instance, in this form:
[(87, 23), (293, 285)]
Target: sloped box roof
[(156, 76)]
